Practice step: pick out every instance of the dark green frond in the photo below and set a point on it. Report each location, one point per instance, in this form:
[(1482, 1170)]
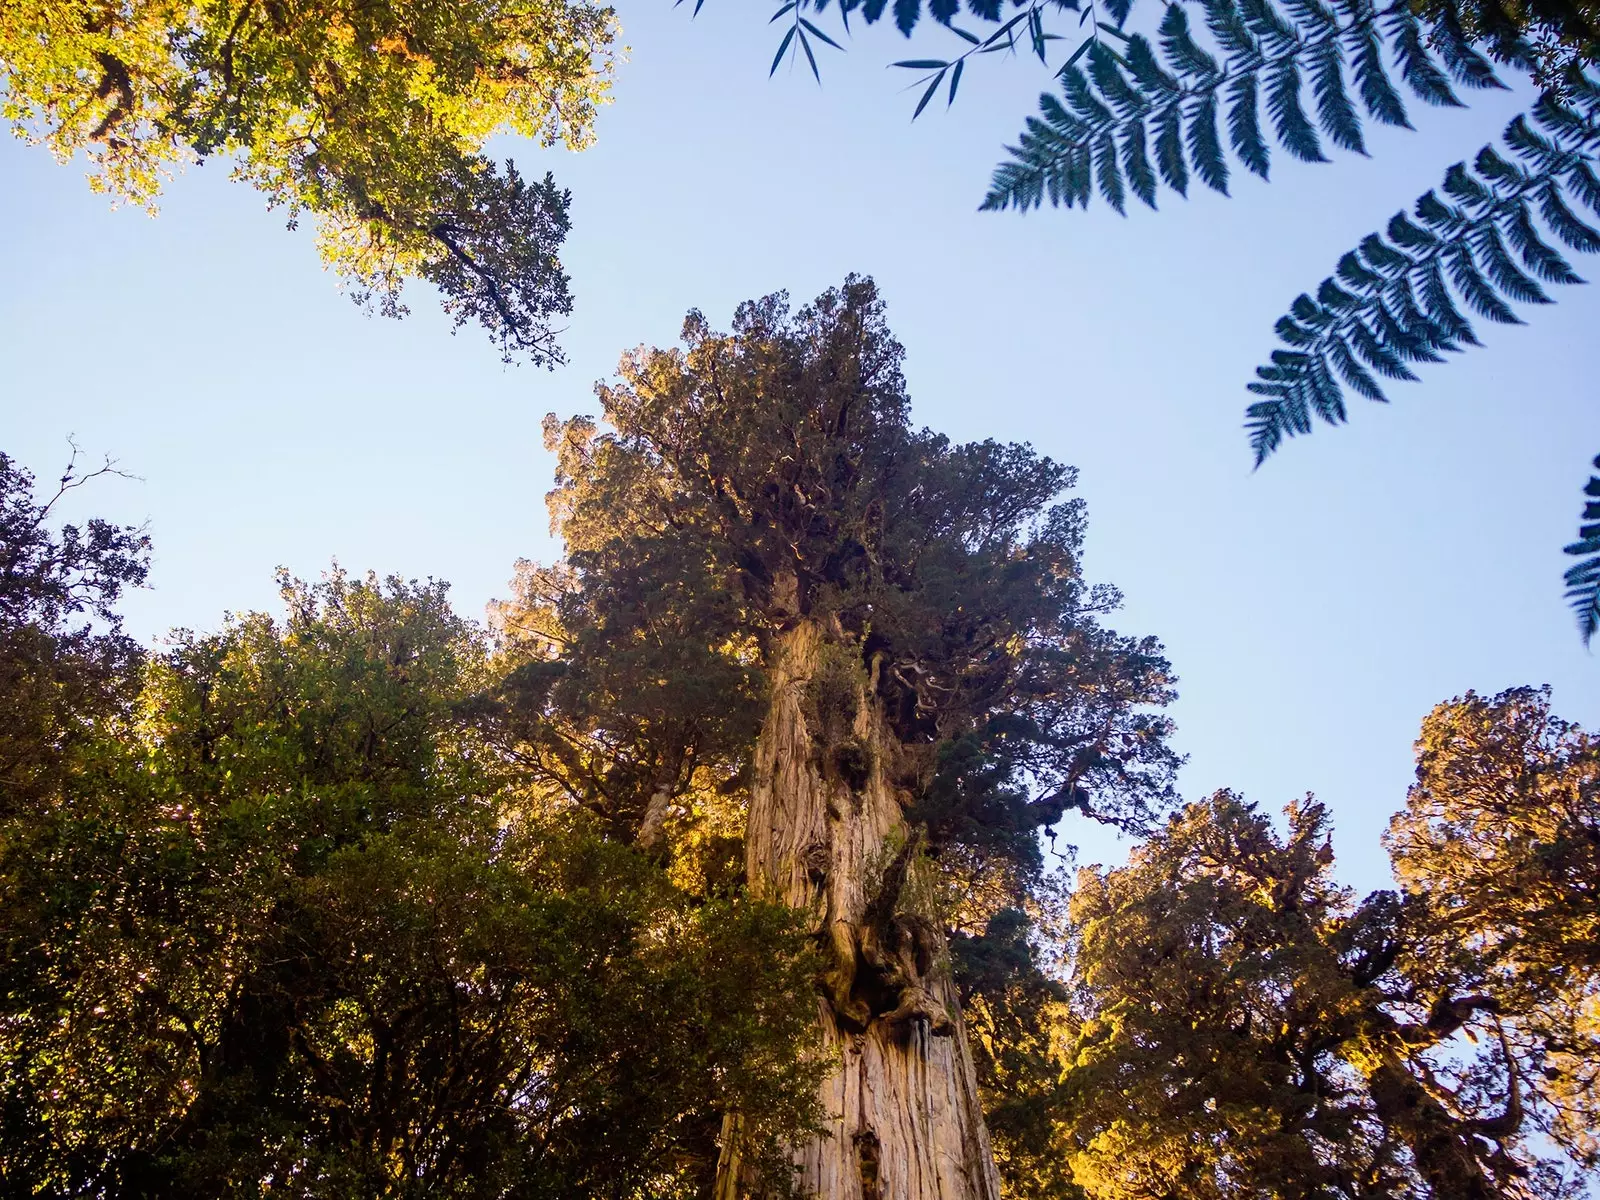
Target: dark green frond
[(1176, 89), (1244, 125), (1205, 147), (1401, 297), (1583, 580)]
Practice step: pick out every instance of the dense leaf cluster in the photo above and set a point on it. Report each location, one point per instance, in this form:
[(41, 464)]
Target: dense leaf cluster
[(280, 922), (1229, 1022), (769, 475), (369, 117)]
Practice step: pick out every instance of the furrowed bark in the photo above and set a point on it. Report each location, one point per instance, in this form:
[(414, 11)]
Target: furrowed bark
[(827, 834)]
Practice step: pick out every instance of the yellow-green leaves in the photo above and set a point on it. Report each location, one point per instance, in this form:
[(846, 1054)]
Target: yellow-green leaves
[(371, 118)]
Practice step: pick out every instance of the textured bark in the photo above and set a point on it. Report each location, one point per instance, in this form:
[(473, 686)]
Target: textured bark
[(827, 834)]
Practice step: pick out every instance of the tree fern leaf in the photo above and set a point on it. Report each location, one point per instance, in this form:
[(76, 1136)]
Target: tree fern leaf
[(1411, 315), (1309, 313), (1417, 67), (1382, 358), (1564, 223), (1581, 180), (1136, 163), (1404, 232), (1475, 290), (1119, 10), (1311, 15), (1335, 113), (1326, 398), (1169, 149), (1438, 215), (1265, 424), (1441, 306), (1382, 256), (1108, 77), (1283, 102), (1081, 98), (1355, 273), (1228, 27), (1331, 295), (1553, 114), (1147, 71), (1583, 580), (1182, 51), (1460, 184), (1205, 147), (1005, 189), (1244, 124), (1372, 80), (1490, 252), (906, 13), (1470, 68), (1105, 161), (1353, 373), (1295, 334), (1264, 20), (1531, 147), (1542, 259), (1409, 343), (1497, 170)]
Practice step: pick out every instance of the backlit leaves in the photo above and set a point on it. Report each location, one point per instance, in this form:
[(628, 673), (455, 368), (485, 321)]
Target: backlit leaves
[(369, 118)]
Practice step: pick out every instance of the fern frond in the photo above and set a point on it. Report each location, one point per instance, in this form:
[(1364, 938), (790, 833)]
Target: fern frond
[(1583, 580), (1177, 90), (1399, 298)]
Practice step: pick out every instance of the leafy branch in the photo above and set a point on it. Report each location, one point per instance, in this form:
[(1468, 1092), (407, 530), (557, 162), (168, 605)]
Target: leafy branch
[(1136, 99)]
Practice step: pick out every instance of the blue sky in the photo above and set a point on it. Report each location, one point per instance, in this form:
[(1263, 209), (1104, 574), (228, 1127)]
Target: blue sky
[(1314, 610)]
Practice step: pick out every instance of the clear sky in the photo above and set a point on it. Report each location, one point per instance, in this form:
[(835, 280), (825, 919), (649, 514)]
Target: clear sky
[(1314, 610)]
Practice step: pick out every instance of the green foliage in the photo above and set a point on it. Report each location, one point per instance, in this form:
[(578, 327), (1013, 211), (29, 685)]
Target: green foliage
[(1139, 110), (1583, 580), (1239, 1026), (369, 117), (64, 661), (1132, 95), (291, 927), (1545, 37), (1498, 849), (1219, 1018), (1399, 299), (757, 478)]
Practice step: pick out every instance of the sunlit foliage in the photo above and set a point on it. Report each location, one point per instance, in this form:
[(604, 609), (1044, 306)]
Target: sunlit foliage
[(288, 927), (1230, 1022), (754, 477), (370, 118)]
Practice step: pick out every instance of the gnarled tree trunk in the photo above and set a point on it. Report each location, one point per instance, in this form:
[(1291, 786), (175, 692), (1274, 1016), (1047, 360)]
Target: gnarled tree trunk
[(827, 834)]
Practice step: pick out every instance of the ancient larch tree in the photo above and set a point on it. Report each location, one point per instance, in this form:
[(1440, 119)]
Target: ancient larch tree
[(784, 606)]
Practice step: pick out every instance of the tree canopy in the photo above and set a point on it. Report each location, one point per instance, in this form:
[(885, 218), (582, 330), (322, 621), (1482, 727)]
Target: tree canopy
[(282, 923), (1231, 1022), (730, 823), (370, 118)]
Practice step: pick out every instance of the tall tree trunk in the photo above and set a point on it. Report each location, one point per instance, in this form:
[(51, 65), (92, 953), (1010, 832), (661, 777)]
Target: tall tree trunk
[(827, 834)]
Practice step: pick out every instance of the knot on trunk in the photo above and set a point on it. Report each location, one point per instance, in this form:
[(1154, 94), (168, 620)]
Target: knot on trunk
[(883, 964)]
